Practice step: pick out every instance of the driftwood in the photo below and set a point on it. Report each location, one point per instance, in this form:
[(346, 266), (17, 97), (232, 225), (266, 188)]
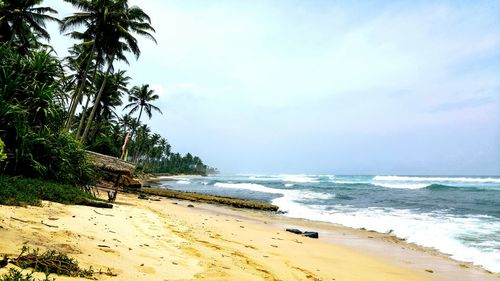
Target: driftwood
[(55, 226), (109, 215), (16, 219), (25, 221), (97, 204), (234, 202)]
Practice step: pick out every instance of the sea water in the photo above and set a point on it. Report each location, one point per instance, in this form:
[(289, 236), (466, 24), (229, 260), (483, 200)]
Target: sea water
[(458, 215)]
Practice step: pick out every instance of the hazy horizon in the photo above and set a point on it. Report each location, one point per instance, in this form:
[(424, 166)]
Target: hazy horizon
[(316, 87)]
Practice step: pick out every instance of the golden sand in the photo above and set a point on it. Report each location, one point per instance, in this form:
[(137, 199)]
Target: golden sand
[(166, 240)]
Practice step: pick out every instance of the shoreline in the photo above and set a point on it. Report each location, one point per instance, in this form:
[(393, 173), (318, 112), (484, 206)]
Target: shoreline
[(368, 233), (167, 240)]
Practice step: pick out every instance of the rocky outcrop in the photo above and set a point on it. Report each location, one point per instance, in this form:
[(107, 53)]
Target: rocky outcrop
[(197, 197)]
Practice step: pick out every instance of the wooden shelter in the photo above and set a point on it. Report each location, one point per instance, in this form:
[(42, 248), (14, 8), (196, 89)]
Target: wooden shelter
[(114, 170)]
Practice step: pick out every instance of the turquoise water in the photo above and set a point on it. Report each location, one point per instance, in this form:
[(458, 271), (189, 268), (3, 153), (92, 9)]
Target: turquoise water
[(458, 215)]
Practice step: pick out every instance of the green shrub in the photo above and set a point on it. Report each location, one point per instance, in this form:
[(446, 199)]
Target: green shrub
[(20, 191), (3, 156), (32, 118)]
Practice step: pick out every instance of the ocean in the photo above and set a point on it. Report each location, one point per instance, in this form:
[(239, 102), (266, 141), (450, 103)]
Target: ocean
[(456, 215)]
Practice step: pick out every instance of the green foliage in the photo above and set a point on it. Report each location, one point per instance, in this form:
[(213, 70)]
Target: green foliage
[(34, 89), (3, 156), (22, 23), (31, 118), (20, 191), (16, 275)]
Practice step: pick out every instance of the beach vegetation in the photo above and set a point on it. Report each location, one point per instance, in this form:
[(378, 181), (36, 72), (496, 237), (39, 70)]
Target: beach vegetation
[(31, 118), (52, 110), (22, 23), (110, 28), (49, 262), (20, 191), (3, 156), (16, 275)]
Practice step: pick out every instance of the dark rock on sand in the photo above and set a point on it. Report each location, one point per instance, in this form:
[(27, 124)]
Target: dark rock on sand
[(294, 230), (311, 234), (190, 206), (142, 196)]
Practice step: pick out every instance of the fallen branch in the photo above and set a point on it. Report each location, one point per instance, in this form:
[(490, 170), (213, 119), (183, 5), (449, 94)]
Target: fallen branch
[(97, 204), (55, 226), (109, 215), (16, 219)]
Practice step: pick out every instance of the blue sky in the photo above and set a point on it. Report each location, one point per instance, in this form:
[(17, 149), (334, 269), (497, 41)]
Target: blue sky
[(338, 87)]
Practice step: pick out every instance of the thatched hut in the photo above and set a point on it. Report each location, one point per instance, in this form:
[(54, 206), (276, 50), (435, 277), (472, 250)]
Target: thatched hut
[(111, 164), (115, 170)]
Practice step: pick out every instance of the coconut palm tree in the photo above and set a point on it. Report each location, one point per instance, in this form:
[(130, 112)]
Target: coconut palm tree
[(22, 24), (121, 22), (111, 98), (109, 28), (78, 63), (140, 98)]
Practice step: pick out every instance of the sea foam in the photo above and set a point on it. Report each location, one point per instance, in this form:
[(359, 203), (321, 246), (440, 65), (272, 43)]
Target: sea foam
[(183, 182), (425, 229), (437, 179), (286, 178), (249, 186), (403, 185)]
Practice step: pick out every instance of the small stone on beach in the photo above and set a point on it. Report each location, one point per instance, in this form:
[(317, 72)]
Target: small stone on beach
[(190, 206), (311, 234), (294, 230)]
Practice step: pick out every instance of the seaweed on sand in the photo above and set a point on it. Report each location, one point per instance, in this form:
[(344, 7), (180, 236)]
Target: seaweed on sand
[(52, 262)]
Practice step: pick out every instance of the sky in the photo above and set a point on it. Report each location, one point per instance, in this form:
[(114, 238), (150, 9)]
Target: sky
[(324, 87)]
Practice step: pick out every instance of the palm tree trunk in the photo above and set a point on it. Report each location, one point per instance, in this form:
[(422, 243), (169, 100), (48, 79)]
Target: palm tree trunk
[(97, 100), (78, 94), (82, 116), (136, 155), (84, 110), (138, 120)]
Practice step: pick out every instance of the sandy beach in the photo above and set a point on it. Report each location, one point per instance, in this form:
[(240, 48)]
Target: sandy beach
[(167, 240)]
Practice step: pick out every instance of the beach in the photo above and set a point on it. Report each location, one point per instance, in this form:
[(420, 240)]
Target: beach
[(183, 240)]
